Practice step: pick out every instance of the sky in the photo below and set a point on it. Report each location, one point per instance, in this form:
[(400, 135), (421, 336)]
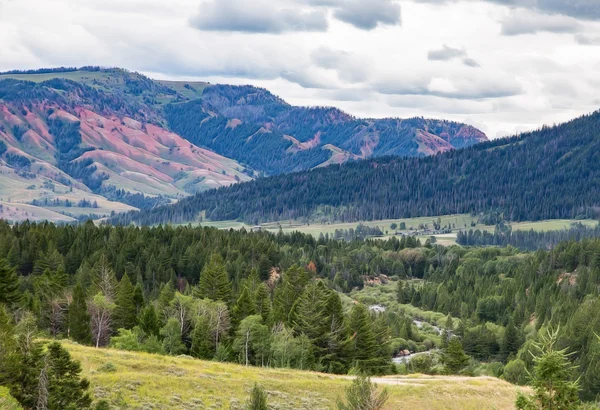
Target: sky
[(504, 66)]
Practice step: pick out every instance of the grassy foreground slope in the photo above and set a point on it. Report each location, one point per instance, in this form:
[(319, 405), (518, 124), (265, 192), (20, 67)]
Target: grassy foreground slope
[(7, 402), (143, 381)]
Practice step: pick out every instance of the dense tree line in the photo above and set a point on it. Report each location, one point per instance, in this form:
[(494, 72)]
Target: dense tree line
[(506, 300), (503, 235), (562, 162), (251, 297)]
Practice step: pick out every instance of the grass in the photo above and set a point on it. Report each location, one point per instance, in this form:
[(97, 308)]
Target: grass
[(459, 221), (145, 381), (7, 402)]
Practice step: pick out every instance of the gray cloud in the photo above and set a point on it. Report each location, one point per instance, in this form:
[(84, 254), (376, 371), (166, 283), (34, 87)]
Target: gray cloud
[(587, 40), (447, 53), (470, 62), (293, 15), (476, 87), (581, 9), (349, 67), (367, 15), (526, 22), (261, 17)]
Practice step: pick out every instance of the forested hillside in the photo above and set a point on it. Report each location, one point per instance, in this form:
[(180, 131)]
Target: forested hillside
[(253, 126), (280, 300), (550, 173), (123, 141)]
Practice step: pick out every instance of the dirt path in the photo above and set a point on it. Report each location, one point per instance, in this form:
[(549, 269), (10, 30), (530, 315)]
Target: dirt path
[(422, 380)]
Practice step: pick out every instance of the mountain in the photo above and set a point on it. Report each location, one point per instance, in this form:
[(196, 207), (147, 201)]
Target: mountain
[(553, 172), (79, 151), (258, 129), (86, 142)]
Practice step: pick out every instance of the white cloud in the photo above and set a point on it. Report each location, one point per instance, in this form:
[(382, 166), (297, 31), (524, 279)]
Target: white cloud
[(369, 58), (523, 21)]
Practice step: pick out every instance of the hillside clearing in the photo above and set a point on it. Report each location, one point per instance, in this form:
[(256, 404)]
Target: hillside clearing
[(460, 221), (141, 381)]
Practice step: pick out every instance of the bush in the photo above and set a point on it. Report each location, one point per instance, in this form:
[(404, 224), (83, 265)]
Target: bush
[(107, 367), (515, 372), (258, 399), (363, 395)]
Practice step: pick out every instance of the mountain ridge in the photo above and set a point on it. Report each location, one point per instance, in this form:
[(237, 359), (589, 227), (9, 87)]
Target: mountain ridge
[(125, 141), (550, 173)]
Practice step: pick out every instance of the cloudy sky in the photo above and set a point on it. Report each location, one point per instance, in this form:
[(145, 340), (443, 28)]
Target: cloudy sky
[(502, 65)]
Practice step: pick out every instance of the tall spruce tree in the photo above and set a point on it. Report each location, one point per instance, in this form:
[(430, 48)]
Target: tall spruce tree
[(262, 301), (66, 389), (362, 344), (214, 283), (79, 319), (9, 284), (149, 322), (244, 306), (454, 357), (125, 311)]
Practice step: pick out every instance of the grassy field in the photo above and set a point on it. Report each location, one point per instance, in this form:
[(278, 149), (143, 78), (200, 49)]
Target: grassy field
[(461, 221), (145, 381), (7, 402)]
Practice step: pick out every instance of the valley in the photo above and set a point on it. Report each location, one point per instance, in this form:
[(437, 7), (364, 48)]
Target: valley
[(421, 227)]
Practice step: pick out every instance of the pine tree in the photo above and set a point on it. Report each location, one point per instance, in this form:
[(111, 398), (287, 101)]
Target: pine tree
[(293, 283), (511, 340), (9, 285), (258, 399), (202, 343), (244, 306), (214, 283), (148, 321), (362, 345), (552, 381), (262, 301), (79, 319), (8, 353), (138, 298), (124, 315), (454, 357), (66, 389)]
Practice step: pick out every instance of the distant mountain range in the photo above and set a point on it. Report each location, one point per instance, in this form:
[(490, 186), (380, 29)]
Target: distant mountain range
[(550, 173), (87, 142)]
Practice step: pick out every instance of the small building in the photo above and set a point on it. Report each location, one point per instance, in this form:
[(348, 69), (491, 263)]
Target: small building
[(377, 308)]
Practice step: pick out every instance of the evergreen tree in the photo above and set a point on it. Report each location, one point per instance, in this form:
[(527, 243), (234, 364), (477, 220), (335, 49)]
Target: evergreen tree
[(149, 321), (511, 340), (138, 298), (125, 311), (262, 301), (9, 360), (66, 389), (293, 283), (362, 345), (9, 284), (79, 319), (202, 343), (244, 306), (258, 399), (454, 357), (553, 384), (214, 283)]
